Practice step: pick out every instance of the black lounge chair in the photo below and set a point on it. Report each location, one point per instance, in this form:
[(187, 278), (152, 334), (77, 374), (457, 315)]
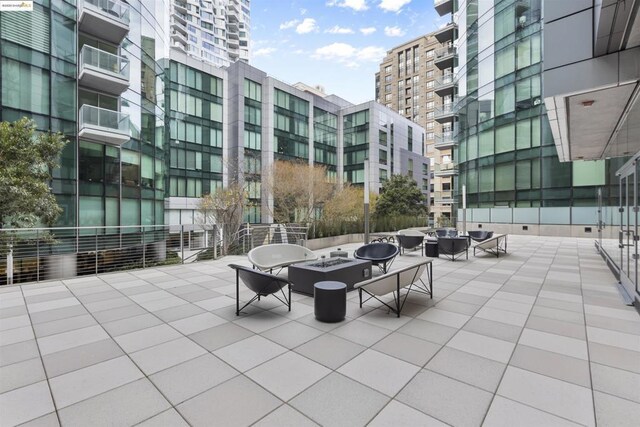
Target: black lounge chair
[(380, 254), (446, 232), (262, 284), (480, 235), (453, 247), (410, 242)]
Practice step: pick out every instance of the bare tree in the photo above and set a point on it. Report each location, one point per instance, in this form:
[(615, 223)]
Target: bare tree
[(224, 208), (347, 204), (298, 190)]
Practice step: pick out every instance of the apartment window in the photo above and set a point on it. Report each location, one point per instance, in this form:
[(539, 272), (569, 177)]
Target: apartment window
[(429, 64), (430, 53), (387, 97), (388, 69), (430, 84), (387, 79), (387, 88), (430, 135), (430, 115), (430, 105), (429, 95), (430, 74), (429, 126)]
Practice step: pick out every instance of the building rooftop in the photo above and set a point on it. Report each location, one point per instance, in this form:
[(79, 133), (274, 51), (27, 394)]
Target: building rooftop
[(537, 337)]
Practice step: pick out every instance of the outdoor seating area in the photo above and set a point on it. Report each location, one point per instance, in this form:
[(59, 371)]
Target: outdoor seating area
[(534, 337)]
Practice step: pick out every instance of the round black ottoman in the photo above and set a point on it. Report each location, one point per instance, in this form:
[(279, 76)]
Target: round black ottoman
[(330, 301)]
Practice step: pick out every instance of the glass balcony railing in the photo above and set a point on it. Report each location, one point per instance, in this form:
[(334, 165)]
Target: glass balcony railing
[(103, 61), (444, 80), (446, 169), (443, 196), (439, 2), (443, 52), (115, 9), (95, 117), (445, 139)]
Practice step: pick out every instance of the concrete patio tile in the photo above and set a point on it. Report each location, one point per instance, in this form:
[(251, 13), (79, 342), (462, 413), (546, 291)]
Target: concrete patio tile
[(560, 296), (552, 364), (379, 371), (481, 345), (617, 313), (330, 350), (490, 328), (407, 348), (149, 337), (250, 352), (613, 324), (285, 416), (292, 334), (614, 338), (16, 335), (399, 414), (42, 289), (223, 405), (509, 296), (261, 321), (119, 313), (468, 368), (12, 322), (161, 304), (193, 377), (310, 320), (623, 384), (288, 374), (614, 356), (502, 316), (18, 352), (80, 357), (558, 327), (467, 298), (220, 336), (457, 307), (169, 418), (557, 397), (297, 310), (556, 343), (383, 318), (446, 399), (131, 324), (125, 405), (362, 333), (57, 314), (351, 403), (613, 411), (197, 323), (506, 412), (49, 420), (506, 305), (21, 374), (84, 383), (52, 305), (216, 303), (179, 312), (25, 404), (150, 296), (51, 296), (109, 304), (162, 356), (429, 331), (444, 317), (557, 314), (63, 325), (58, 342)]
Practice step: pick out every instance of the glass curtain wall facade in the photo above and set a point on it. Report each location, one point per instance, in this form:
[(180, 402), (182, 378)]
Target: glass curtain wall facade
[(325, 141), (103, 87), (253, 150), (291, 126), (506, 155)]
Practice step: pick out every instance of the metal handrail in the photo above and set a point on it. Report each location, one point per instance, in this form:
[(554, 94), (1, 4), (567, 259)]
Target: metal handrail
[(101, 117)]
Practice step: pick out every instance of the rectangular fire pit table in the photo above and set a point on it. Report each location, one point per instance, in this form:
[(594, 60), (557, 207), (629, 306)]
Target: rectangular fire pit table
[(347, 270)]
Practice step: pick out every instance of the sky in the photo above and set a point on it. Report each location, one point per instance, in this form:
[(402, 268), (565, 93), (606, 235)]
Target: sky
[(337, 44)]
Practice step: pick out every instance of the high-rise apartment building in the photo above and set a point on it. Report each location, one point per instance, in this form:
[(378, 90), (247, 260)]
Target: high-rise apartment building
[(412, 79), (216, 31), (505, 154)]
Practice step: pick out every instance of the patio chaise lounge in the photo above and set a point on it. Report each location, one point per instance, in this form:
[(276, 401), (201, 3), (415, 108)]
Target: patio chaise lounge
[(494, 245), (279, 255), (408, 277), (262, 284), (380, 254)]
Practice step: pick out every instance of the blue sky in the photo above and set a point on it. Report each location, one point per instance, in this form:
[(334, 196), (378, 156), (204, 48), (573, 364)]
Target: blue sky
[(335, 43)]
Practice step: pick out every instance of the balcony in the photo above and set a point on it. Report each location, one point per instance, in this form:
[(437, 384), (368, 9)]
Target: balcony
[(180, 6), (178, 25), (179, 36), (103, 71), (445, 141), (445, 85), (445, 113), (443, 197), (447, 33), (105, 19), (445, 57), (446, 169), (104, 126), (443, 7)]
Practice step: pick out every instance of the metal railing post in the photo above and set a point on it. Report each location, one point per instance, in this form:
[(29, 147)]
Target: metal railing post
[(182, 242), (37, 255), (215, 244), (144, 250), (96, 259)]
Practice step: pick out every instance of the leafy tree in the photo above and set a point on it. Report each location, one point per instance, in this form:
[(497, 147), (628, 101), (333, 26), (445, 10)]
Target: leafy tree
[(224, 207), (298, 190), (27, 159), (400, 196)]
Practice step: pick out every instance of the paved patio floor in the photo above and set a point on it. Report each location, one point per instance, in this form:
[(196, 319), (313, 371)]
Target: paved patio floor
[(539, 337)]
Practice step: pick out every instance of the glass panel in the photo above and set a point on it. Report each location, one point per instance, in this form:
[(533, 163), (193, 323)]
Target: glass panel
[(588, 173)]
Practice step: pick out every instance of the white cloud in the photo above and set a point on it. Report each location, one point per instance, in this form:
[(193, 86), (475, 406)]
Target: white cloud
[(348, 55), (288, 24), (393, 5), (308, 25), (339, 30), (368, 30), (394, 32), (357, 5), (264, 51), (303, 11)]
